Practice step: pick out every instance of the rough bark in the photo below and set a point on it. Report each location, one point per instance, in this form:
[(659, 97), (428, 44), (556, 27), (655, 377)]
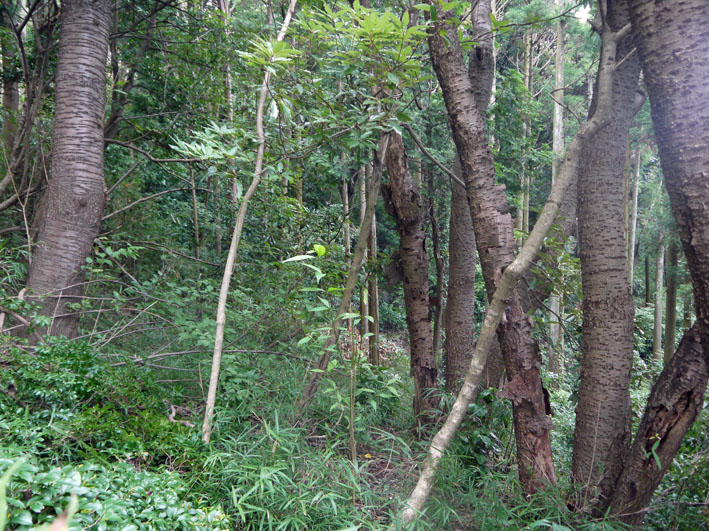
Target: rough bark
[(602, 431), (671, 301), (496, 247), (460, 322), (75, 198), (504, 294), (404, 198), (673, 45)]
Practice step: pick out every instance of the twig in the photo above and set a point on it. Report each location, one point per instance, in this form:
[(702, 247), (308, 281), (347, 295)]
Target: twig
[(433, 159)]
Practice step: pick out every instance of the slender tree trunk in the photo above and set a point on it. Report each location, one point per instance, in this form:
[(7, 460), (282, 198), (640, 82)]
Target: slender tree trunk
[(402, 193), (496, 247), (673, 45), (352, 275), (460, 317), (195, 216), (603, 413), (633, 217), (373, 290), (344, 192), (671, 301), (659, 283), (75, 199), (220, 320), (555, 332), (364, 176), (437, 303), (648, 290), (10, 92)]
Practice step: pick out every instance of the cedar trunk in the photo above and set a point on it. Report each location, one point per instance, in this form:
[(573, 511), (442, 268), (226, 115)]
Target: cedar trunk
[(602, 431), (496, 246), (404, 200), (460, 322), (673, 45), (75, 198)]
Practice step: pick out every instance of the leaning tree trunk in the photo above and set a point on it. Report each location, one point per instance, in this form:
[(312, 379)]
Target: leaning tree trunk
[(402, 193), (75, 198), (496, 248), (602, 432), (673, 44)]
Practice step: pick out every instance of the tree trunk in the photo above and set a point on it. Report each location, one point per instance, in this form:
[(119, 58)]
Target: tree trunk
[(402, 193), (648, 290), (555, 332), (633, 218), (437, 301), (673, 45), (460, 317), (364, 176), (671, 302), (373, 290), (602, 431), (481, 72), (75, 198), (659, 282), (496, 247), (10, 91)]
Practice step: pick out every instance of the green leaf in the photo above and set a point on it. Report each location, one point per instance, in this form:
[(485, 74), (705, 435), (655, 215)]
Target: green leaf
[(298, 258), (4, 481)]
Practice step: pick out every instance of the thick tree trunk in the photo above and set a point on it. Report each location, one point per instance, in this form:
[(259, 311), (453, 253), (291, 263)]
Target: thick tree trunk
[(481, 71), (602, 432), (496, 247), (671, 302), (460, 322), (673, 44), (75, 199), (405, 205)]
